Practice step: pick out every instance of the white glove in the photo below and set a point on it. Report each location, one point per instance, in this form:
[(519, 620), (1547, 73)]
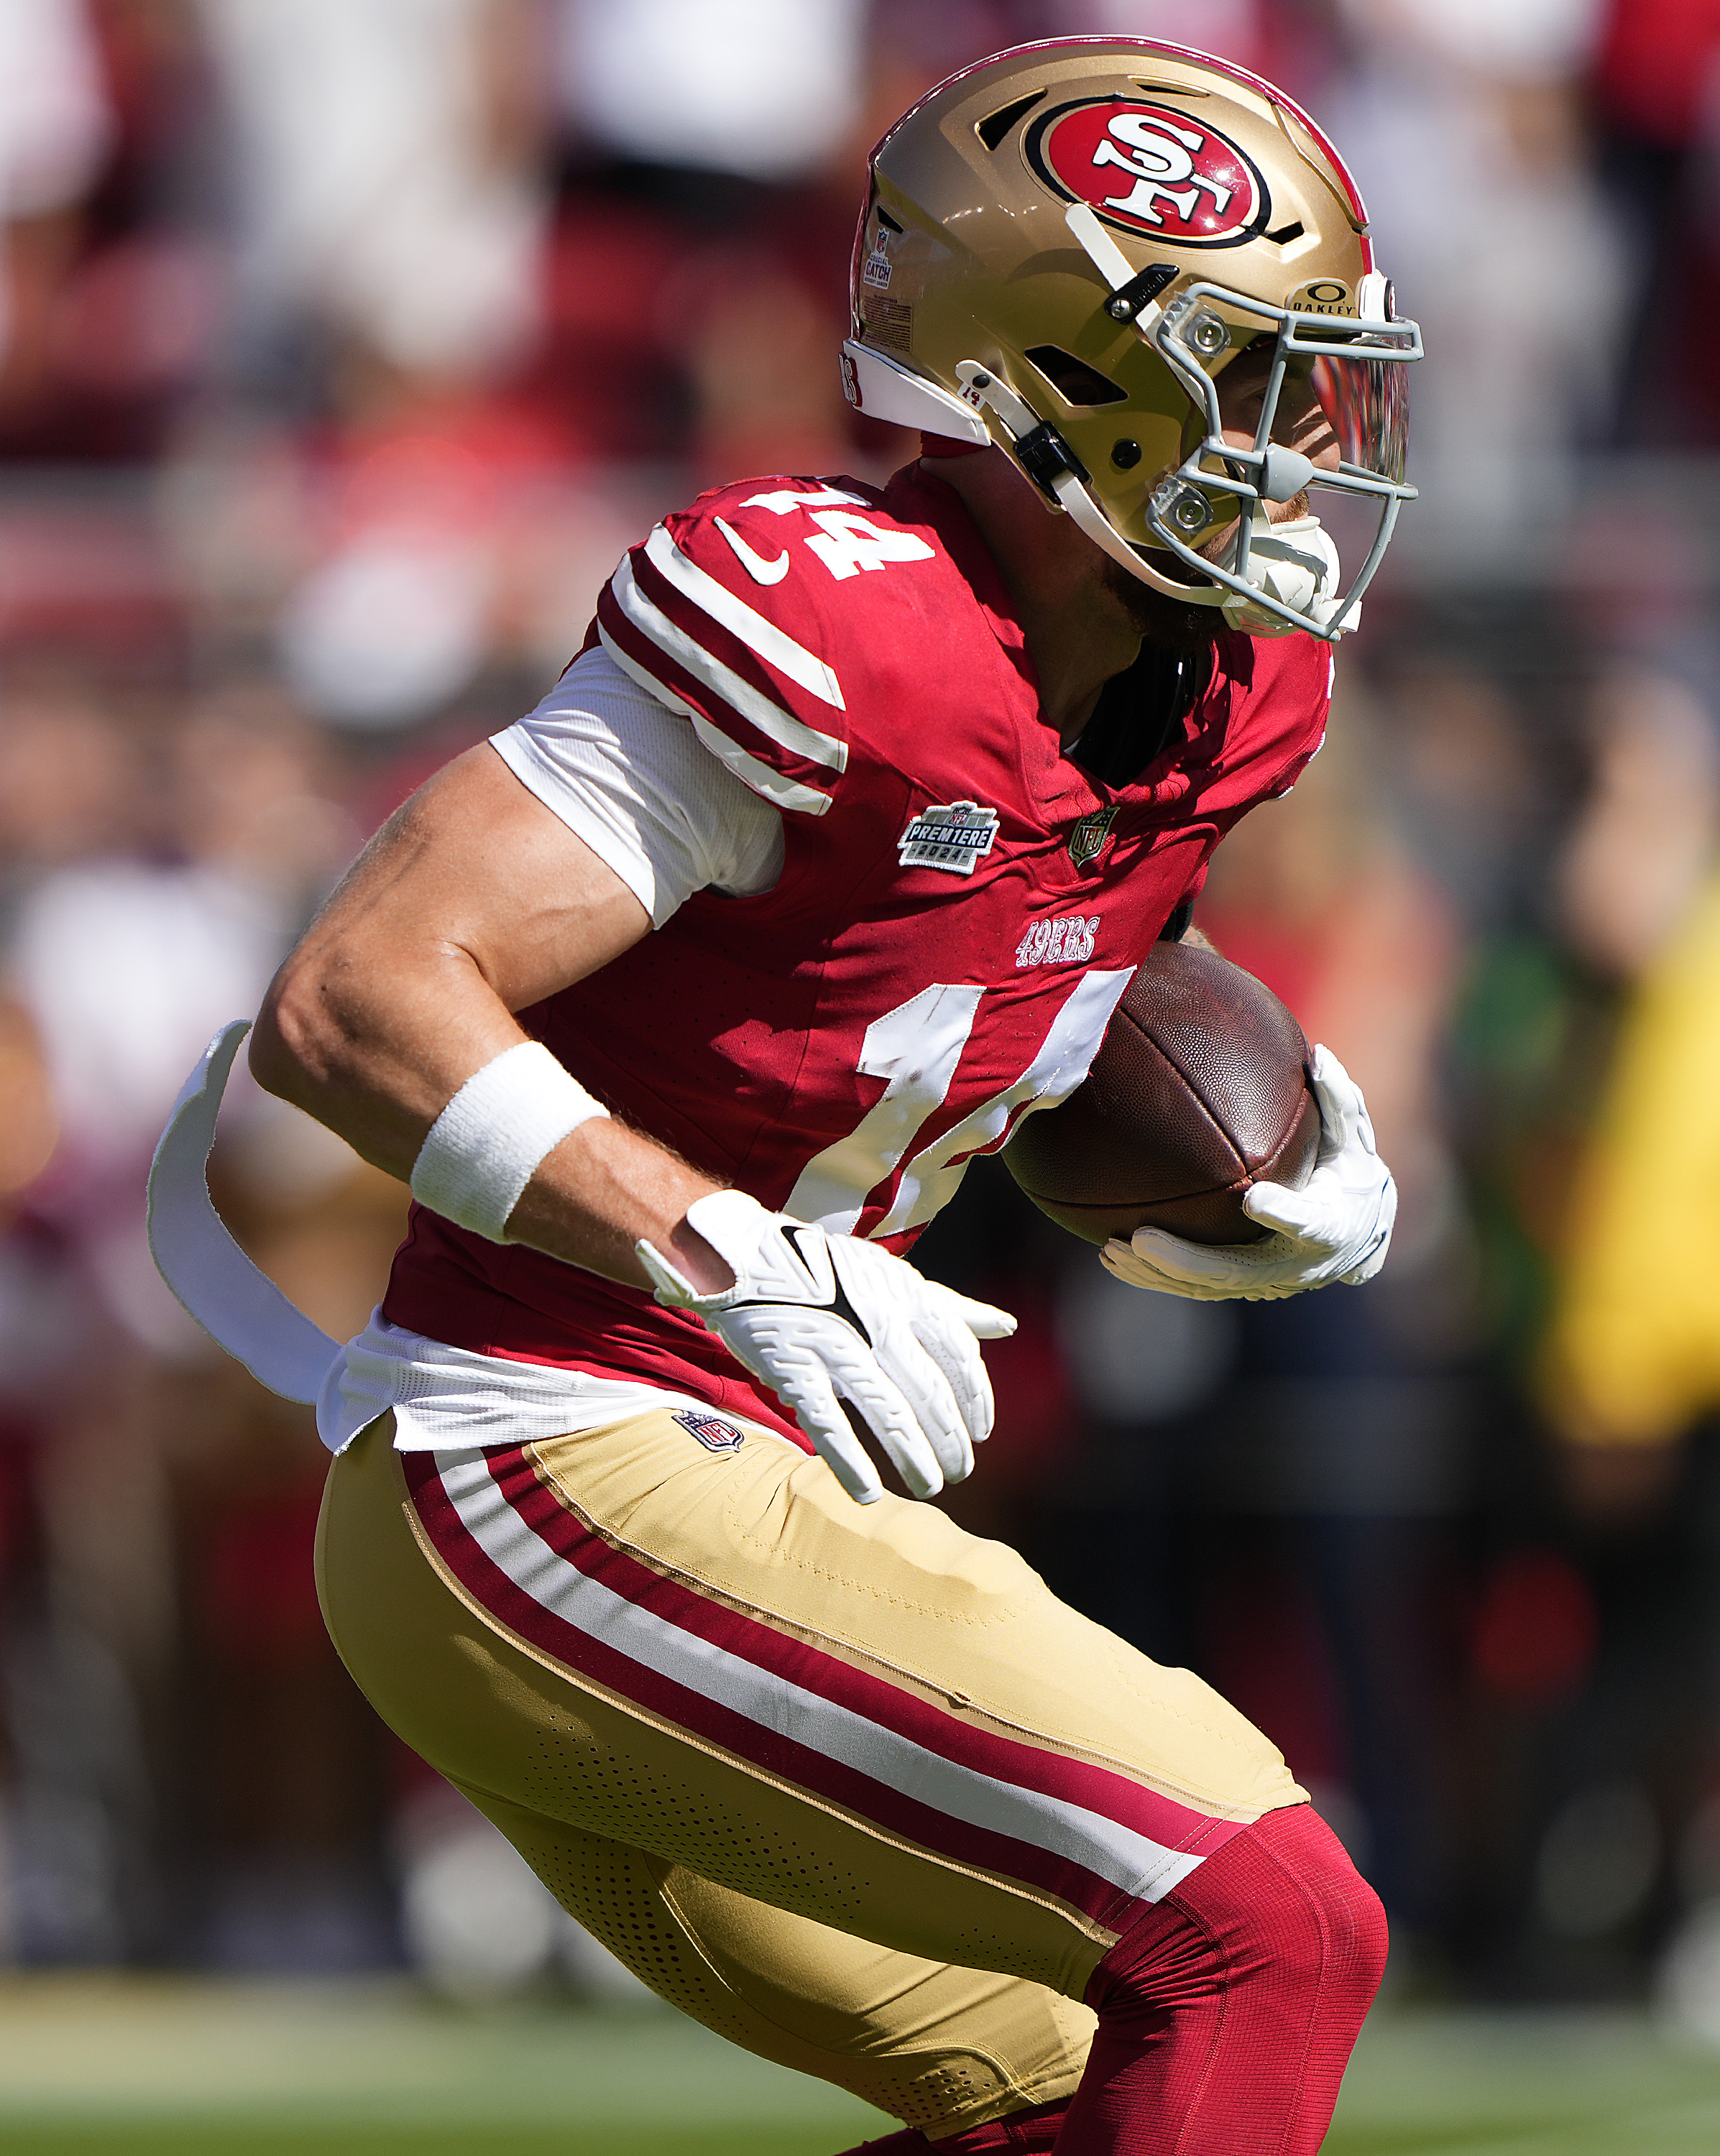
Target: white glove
[(1337, 1227), (827, 1318)]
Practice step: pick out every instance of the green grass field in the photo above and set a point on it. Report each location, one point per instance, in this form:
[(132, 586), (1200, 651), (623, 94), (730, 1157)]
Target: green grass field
[(173, 2067)]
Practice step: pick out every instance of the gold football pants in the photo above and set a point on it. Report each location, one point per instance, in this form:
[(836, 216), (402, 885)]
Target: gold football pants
[(844, 1783)]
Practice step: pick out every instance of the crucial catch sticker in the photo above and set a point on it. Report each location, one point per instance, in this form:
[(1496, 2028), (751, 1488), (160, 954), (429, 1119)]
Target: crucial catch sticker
[(953, 838)]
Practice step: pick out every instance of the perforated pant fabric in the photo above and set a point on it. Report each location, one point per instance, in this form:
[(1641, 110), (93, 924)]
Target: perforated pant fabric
[(629, 1652), (920, 2039), (1030, 2133)]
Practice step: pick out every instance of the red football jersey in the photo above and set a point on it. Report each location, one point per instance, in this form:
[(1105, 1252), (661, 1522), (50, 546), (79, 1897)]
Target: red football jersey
[(960, 907)]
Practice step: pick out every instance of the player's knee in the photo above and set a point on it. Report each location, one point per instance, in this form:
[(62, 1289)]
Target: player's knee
[(1334, 1926), (1279, 1908)]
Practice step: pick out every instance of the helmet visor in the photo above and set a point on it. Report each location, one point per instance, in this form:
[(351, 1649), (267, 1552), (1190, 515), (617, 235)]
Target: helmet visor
[(1367, 403)]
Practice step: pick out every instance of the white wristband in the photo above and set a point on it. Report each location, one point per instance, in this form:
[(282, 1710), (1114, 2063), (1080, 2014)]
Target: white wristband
[(483, 1148)]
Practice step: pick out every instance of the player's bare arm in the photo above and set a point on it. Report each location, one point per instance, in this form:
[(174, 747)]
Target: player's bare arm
[(474, 902)]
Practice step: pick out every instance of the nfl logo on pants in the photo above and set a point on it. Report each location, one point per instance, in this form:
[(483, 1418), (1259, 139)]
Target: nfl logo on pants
[(715, 1434)]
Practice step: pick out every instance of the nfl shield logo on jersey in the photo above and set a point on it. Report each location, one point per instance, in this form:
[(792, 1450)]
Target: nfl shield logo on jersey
[(953, 838), (712, 1432), (1087, 840)]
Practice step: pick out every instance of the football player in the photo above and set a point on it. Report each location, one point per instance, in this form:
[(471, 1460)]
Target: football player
[(683, 1004)]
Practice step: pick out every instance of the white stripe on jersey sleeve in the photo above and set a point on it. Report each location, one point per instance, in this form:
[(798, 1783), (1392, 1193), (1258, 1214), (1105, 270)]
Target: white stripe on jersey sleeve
[(773, 646), (753, 705), (638, 785), (771, 785)]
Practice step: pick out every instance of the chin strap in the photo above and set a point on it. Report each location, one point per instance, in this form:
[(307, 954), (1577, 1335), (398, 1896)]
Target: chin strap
[(1291, 570), (1296, 563), (1055, 468)]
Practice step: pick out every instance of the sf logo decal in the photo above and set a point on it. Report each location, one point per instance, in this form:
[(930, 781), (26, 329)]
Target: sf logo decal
[(1146, 168), (1157, 152)]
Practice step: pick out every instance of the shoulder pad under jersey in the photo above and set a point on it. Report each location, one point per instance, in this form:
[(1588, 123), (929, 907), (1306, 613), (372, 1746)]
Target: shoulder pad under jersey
[(759, 614)]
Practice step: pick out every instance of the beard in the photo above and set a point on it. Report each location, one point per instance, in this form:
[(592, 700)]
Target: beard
[(1175, 625)]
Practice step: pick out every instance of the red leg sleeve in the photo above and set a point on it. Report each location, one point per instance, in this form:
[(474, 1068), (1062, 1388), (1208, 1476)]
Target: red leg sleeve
[(1227, 2015), (907, 2143)]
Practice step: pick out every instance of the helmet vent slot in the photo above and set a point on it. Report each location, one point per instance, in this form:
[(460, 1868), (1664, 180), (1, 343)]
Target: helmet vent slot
[(992, 131), (890, 223), (1285, 233), (1074, 382)]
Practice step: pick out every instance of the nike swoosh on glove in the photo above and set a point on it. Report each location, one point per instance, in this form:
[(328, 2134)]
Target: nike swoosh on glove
[(823, 1319), (1337, 1227)]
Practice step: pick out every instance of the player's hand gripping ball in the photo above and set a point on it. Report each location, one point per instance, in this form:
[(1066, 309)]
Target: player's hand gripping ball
[(1206, 1151), (829, 1319), (1337, 1227)]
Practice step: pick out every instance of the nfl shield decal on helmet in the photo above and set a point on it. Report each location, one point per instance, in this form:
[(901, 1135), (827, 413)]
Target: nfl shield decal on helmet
[(1146, 168), (712, 1432), (1087, 840)]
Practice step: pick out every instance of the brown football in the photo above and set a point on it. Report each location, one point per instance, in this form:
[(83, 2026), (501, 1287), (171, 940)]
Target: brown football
[(1199, 1089)]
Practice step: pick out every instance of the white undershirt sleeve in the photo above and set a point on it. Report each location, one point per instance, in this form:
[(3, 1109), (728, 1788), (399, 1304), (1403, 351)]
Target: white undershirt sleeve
[(634, 781)]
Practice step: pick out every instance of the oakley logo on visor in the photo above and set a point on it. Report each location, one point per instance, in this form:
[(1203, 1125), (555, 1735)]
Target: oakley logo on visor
[(1147, 169)]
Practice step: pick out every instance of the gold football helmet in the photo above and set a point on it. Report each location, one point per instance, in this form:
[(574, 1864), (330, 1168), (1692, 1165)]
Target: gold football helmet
[(1063, 249)]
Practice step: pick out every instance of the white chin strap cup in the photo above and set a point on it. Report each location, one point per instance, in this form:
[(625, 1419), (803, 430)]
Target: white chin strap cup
[(1294, 562)]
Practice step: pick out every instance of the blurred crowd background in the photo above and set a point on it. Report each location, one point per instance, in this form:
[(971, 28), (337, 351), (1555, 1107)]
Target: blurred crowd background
[(344, 345)]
